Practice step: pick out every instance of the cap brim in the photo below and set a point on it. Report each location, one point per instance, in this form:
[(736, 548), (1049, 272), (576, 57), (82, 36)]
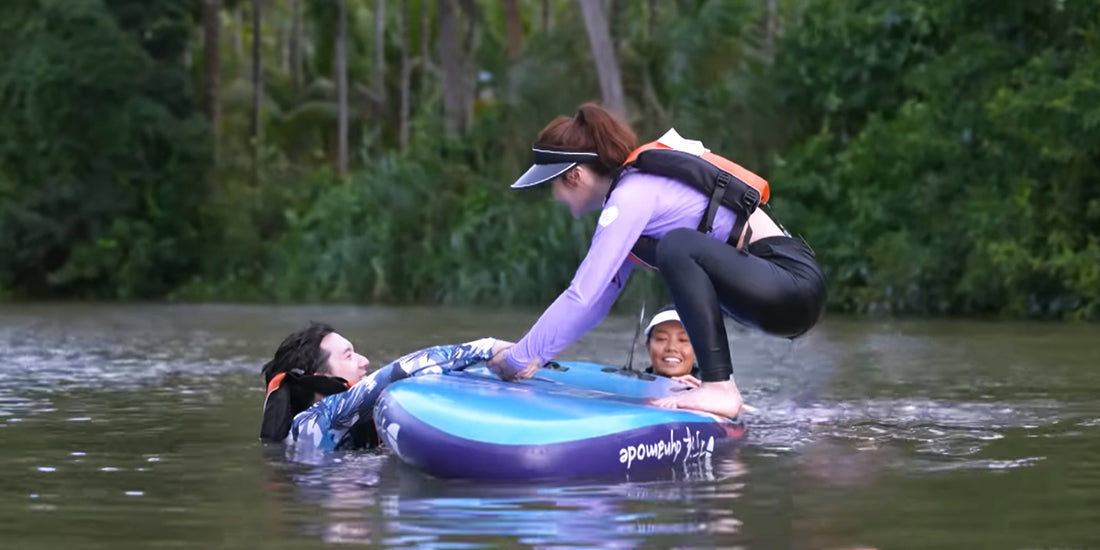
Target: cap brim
[(539, 173), (662, 317)]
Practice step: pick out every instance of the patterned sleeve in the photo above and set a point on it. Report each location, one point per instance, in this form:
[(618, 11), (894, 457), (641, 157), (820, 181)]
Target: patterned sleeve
[(325, 425)]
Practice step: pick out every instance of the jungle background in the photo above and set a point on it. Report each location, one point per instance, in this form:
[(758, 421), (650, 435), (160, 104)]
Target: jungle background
[(942, 158)]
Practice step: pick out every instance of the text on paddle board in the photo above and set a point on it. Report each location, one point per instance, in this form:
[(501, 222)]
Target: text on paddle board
[(692, 445)]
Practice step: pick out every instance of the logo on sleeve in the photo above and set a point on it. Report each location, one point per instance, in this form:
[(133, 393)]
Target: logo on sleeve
[(608, 215)]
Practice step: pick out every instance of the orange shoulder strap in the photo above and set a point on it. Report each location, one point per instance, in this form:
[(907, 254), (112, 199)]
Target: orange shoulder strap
[(742, 173), (275, 382), (645, 147)]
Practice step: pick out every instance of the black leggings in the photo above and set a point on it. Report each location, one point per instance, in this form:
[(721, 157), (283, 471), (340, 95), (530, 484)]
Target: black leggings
[(773, 284)]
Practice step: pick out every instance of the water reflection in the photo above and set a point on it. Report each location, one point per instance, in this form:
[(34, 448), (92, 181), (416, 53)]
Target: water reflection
[(419, 511)]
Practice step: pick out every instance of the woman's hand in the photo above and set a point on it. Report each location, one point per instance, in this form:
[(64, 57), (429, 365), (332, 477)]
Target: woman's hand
[(499, 347), (500, 366), (720, 398), (688, 379), (529, 371), (497, 364)]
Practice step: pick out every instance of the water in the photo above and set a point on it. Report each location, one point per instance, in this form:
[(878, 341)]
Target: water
[(135, 427)]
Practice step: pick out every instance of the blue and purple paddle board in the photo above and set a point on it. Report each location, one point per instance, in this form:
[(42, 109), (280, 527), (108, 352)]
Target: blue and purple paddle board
[(572, 419)]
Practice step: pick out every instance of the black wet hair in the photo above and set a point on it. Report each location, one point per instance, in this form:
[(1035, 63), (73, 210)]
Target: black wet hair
[(299, 358), (301, 350)]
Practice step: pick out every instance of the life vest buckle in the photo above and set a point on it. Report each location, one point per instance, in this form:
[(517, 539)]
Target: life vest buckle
[(721, 183), (751, 199)]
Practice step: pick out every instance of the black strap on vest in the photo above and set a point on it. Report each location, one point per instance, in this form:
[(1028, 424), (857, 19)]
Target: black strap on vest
[(295, 394), (721, 184), (722, 187)]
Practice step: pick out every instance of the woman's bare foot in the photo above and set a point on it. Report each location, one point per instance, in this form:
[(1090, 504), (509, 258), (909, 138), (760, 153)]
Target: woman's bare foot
[(720, 398)]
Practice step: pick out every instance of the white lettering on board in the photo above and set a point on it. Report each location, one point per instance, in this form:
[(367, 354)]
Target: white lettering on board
[(691, 445)]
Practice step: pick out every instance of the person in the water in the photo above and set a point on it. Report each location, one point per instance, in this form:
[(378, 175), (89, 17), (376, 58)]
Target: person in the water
[(318, 391), (670, 351)]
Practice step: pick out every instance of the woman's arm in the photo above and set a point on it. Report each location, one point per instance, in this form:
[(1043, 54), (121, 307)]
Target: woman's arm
[(325, 424), (595, 286)]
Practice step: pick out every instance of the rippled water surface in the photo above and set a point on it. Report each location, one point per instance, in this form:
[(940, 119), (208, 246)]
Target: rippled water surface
[(135, 427)]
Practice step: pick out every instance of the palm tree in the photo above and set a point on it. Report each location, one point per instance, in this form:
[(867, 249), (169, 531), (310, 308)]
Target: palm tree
[(211, 33), (603, 53), (341, 88)]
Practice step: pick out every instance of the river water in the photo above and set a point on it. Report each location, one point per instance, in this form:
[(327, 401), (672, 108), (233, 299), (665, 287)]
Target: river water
[(134, 426)]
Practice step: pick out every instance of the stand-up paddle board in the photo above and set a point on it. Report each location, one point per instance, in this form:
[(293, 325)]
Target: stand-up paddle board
[(571, 419)]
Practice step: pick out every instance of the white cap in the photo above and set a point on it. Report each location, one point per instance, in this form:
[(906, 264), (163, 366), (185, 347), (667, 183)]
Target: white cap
[(664, 316)]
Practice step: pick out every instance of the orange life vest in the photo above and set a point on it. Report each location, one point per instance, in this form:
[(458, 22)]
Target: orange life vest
[(277, 381), (725, 182), (743, 174)]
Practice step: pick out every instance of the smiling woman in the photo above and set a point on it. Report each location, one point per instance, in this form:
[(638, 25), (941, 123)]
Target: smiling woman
[(670, 351)]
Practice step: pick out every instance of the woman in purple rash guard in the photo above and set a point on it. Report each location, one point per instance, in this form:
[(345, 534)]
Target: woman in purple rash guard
[(712, 263)]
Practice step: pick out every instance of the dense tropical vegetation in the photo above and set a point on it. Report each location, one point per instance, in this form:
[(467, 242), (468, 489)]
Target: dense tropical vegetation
[(941, 157)]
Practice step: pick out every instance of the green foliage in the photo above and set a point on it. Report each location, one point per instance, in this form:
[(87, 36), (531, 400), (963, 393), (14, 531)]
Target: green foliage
[(405, 230), (941, 157), (845, 61), (101, 153), (971, 188)]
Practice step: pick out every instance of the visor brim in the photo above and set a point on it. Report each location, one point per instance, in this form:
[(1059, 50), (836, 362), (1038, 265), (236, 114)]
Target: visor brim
[(541, 173)]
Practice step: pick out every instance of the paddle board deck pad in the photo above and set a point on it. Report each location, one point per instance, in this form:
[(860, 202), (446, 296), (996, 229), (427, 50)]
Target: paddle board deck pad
[(572, 419)]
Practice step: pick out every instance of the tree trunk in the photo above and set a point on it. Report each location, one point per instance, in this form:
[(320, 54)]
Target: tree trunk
[(296, 50), (514, 27), (469, 71), (406, 77), (770, 28), (450, 56), (611, 8), (546, 22), (211, 31), (238, 36), (379, 78), (282, 32), (257, 87), (651, 26), (341, 66), (425, 42), (603, 53)]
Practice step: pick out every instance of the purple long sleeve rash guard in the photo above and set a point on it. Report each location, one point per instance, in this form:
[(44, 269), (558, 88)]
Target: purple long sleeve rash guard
[(640, 205)]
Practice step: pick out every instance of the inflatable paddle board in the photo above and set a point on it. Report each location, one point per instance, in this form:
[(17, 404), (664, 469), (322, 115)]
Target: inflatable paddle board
[(572, 419)]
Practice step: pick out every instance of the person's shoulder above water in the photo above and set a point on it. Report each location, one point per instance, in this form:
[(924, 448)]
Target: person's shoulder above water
[(318, 391), (309, 364)]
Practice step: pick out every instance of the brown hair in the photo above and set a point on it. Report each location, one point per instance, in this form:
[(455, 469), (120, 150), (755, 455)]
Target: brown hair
[(593, 128)]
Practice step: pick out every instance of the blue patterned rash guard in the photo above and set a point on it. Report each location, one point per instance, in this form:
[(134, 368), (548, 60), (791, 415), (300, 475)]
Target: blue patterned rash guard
[(329, 422)]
